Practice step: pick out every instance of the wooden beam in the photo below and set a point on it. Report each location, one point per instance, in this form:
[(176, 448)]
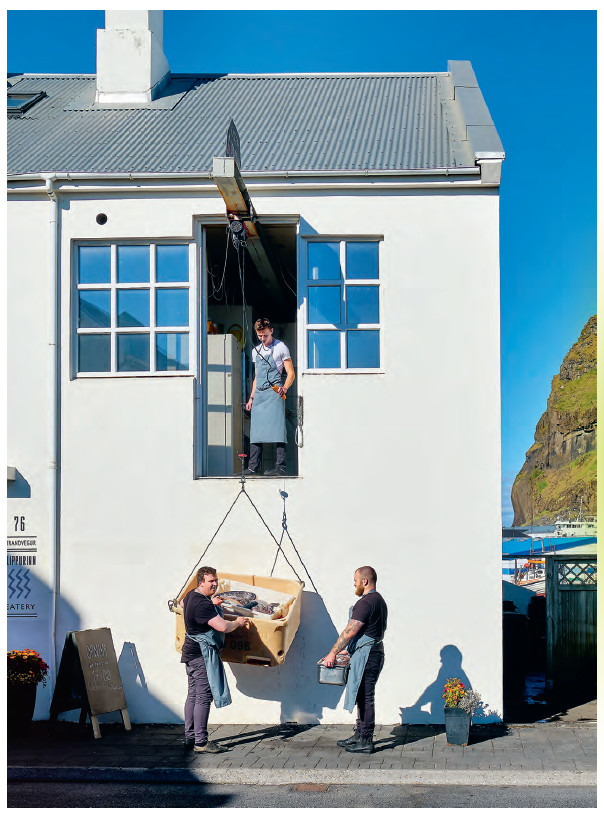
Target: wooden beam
[(232, 188)]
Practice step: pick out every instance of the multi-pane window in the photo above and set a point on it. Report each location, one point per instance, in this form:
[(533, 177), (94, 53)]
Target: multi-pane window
[(343, 305), (132, 310)]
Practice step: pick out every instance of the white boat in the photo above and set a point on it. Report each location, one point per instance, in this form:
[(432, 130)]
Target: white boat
[(581, 526)]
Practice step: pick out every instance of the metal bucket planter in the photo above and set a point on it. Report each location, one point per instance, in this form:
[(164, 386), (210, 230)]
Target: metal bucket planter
[(457, 726), (21, 703)]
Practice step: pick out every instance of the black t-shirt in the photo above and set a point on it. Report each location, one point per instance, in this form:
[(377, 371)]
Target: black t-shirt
[(198, 610), (372, 611)]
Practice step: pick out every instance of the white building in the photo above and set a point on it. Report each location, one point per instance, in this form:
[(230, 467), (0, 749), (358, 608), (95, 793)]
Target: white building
[(379, 196)]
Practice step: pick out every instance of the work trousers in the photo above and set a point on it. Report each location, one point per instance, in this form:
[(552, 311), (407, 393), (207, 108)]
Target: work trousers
[(256, 456), (199, 699), (366, 694)]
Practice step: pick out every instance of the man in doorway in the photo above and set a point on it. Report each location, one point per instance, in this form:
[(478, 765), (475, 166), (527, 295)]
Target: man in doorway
[(363, 636), (205, 629), (273, 376)]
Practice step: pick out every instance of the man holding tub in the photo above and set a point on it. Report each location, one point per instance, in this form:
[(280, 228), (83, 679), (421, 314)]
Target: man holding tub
[(363, 635), (205, 629)]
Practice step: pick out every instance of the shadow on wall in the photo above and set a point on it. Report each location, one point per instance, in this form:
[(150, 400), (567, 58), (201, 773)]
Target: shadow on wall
[(429, 708), (18, 487), (142, 705), (294, 684)]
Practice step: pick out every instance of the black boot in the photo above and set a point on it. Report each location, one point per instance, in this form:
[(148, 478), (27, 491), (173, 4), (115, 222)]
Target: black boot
[(343, 743), (364, 745)]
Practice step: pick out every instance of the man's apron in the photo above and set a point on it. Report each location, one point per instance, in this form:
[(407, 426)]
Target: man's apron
[(211, 643), (268, 408), (359, 653)]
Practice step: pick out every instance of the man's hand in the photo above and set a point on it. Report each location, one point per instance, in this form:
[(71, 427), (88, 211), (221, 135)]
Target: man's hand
[(248, 406), (217, 600), (242, 621), (329, 660), (282, 391)]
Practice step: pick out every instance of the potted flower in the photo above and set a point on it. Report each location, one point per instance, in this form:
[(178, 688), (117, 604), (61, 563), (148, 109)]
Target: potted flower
[(460, 704), (25, 669)]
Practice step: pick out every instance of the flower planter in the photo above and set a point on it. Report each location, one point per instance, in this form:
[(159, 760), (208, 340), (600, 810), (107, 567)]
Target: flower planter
[(20, 702), (457, 726)]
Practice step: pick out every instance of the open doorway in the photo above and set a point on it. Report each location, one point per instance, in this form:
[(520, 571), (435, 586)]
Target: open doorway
[(234, 295)]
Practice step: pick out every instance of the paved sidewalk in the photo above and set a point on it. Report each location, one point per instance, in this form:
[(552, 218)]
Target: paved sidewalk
[(560, 752)]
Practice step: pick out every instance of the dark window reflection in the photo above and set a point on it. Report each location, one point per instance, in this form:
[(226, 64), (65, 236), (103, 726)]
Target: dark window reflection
[(94, 353), (94, 265), (132, 308), (172, 351), (132, 351), (323, 348), (363, 348), (94, 308), (172, 263), (133, 263)]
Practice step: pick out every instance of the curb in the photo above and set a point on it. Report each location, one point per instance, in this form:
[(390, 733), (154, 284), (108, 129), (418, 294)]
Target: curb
[(254, 776)]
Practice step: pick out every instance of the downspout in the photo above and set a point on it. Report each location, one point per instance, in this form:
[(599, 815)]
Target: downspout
[(54, 373)]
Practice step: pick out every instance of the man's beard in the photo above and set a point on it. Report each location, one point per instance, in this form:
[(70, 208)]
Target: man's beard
[(359, 590)]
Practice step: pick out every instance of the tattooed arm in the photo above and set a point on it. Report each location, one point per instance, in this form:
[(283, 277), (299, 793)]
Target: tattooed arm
[(353, 627)]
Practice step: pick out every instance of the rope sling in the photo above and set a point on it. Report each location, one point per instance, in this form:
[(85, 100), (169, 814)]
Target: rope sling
[(284, 531)]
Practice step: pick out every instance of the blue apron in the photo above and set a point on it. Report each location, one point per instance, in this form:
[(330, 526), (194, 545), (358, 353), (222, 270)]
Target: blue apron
[(268, 408), (211, 644), (358, 648)]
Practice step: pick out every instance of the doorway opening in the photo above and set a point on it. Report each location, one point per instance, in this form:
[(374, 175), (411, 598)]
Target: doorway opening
[(235, 294)]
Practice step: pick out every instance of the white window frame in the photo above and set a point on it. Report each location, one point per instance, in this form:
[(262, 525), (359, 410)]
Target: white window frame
[(343, 326), (152, 285)]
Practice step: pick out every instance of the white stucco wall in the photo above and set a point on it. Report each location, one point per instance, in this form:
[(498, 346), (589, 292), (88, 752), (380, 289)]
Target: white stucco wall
[(391, 466)]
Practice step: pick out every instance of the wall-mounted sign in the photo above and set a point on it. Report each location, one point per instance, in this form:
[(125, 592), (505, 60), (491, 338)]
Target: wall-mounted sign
[(21, 555), (89, 678)]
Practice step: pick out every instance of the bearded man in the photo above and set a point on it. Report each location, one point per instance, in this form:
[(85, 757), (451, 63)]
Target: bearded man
[(363, 638)]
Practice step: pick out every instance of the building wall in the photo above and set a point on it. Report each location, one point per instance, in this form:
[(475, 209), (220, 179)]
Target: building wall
[(29, 423), (391, 463)]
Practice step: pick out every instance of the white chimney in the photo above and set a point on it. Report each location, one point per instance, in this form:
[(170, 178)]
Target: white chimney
[(130, 61)]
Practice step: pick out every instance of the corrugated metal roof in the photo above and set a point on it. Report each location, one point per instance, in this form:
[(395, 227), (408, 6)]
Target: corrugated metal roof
[(285, 122)]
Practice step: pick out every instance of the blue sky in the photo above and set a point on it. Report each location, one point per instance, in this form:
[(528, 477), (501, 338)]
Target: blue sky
[(537, 72)]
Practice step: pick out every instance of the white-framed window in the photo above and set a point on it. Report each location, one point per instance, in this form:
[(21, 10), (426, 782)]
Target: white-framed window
[(132, 308), (342, 305)]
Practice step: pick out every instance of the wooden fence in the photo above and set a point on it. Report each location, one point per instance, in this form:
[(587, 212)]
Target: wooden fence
[(571, 594)]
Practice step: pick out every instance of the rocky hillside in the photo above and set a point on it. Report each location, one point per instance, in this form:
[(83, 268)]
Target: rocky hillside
[(560, 467)]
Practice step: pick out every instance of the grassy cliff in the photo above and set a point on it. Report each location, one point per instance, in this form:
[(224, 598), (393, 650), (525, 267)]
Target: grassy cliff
[(561, 466)]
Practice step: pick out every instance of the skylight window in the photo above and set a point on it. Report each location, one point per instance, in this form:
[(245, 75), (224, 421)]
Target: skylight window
[(19, 103)]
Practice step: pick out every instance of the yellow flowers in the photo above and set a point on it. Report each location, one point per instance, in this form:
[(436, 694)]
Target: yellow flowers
[(25, 667), (454, 691)]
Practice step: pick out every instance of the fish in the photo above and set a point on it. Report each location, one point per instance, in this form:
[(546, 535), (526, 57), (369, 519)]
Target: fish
[(239, 598)]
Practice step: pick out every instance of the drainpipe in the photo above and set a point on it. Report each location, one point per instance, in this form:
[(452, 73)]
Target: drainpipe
[(54, 373)]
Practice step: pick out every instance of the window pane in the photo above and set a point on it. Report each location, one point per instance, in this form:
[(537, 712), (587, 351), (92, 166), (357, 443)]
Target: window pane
[(363, 348), (362, 260), (323, 348), (172, 263), (362, 305), (172, 307), (172, 351), (132, 351), (132, 308), (324, 260), (94, 265), (133, 263), (324, 305), (94, 308), (94, 353)]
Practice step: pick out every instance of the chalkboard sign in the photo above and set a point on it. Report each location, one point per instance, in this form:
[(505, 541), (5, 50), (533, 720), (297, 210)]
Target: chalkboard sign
[(89, 678)]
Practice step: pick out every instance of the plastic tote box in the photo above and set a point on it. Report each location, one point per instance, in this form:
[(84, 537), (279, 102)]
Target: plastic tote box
[(265, 641)]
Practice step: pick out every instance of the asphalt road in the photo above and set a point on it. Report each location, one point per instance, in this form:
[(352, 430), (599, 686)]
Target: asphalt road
[(195, 795)]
